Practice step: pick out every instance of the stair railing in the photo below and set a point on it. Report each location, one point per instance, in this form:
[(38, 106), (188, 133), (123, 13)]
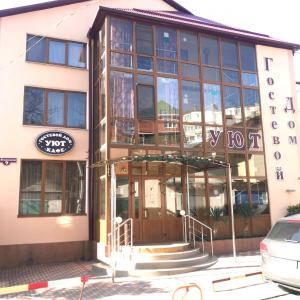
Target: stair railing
[(194, 230), (123, 236)]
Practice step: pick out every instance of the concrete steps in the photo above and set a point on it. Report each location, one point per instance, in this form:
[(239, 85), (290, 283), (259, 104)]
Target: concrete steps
[(168, 259)]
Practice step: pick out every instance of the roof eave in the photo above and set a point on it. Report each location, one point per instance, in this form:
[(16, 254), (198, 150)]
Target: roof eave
[(104, 11), (52, 4)]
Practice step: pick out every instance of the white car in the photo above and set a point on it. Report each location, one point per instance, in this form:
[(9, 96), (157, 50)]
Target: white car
[(280, 252)]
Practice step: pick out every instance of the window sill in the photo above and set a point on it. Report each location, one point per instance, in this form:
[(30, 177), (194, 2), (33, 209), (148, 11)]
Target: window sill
[(56, 65), (55, 127), (51, 215)]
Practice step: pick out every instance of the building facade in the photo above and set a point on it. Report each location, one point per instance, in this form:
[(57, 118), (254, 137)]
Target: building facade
[(90, 83)]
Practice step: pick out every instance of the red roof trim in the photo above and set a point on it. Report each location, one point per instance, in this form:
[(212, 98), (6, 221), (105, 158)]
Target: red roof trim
[(58, 3)]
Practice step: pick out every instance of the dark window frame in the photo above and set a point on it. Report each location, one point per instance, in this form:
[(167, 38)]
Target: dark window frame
[(47, 53), (63, 190), (45, 112)]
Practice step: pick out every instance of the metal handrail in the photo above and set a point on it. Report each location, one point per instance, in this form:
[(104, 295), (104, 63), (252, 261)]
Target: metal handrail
[(122, 239), (190, 232)]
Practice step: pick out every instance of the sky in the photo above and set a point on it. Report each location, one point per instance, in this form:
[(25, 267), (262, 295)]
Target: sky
[(277, 18)]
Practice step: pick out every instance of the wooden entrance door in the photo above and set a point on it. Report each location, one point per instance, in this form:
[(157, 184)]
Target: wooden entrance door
[(157, 202), (152, 206)]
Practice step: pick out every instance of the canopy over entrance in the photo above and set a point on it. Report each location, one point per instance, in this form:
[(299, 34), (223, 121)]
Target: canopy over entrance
[(197, 162)]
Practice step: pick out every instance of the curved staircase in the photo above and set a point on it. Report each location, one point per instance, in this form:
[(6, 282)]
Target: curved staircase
[(168, 259)]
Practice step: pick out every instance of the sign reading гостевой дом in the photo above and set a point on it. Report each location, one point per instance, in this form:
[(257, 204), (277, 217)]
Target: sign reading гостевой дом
[(54, 142)]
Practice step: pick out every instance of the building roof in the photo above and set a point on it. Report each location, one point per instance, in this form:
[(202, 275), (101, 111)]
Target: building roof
[(191, 22), (58, 3)]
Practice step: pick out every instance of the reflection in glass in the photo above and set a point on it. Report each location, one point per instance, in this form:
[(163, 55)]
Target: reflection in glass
[(121, 60), (152, 199), (188, 47), (57, 52), (53, 188), (122, 132), (197, 202), (217, 195), (212, 100), (190, 71), (210, 51), (259, 195), (146, 132), (76, 55), (75, 188), (232, 103), (229, 55), (251, 108), (122, 195), (136, 191), (76, 110), (56, 102), (34, 106), (166, 66), (144, 63), (144, 39), (211, 74), (231, 76), (240, 192), (249, 79), (214, 139), (145, 79), (256, 165), (30, 187), (121, 94), (255, 141), (121, 35), (167, 98), (192, 135), (169, 139), (35, 47), (174, 196), (191, 101), (248, 57), (166, 42), (145, 99), (238, 164)]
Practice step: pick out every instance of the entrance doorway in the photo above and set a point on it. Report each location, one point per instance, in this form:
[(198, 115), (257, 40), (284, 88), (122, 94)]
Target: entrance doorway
[(157, 202)]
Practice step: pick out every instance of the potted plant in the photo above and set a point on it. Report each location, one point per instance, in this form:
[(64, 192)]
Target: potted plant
[(243, 213), (219, 222)]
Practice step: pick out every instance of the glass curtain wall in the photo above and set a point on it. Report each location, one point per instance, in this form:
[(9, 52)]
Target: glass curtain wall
[(175, 91)]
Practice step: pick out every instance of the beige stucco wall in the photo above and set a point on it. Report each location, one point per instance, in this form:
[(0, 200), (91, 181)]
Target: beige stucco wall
[(70, 22), (282, 72)]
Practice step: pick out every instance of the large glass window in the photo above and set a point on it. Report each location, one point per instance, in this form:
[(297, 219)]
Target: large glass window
[(232, 103), (229, 55), (212, 102), (166, 42), (217, 195), (210, 51), (44, 186), (122, 132), (197, 197), (122, 196), (121, 35), (166, 66), (121, 94), (145, 97), (34, 105), (191, 106), (48, 107), (188, 47), (167, 98), (144, 39), (252, 107), (54, 51), (57, 52), (248, 58)]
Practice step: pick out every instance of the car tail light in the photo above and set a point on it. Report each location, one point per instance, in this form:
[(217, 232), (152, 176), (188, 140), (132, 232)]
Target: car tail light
[(263, 247), (293, 221)]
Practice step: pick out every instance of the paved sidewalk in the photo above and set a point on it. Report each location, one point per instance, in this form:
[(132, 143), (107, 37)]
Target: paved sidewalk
[(100, 286)]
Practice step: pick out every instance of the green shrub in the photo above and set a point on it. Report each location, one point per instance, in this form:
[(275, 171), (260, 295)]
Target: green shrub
[(216, 213), (244, 210), (293, 209)]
